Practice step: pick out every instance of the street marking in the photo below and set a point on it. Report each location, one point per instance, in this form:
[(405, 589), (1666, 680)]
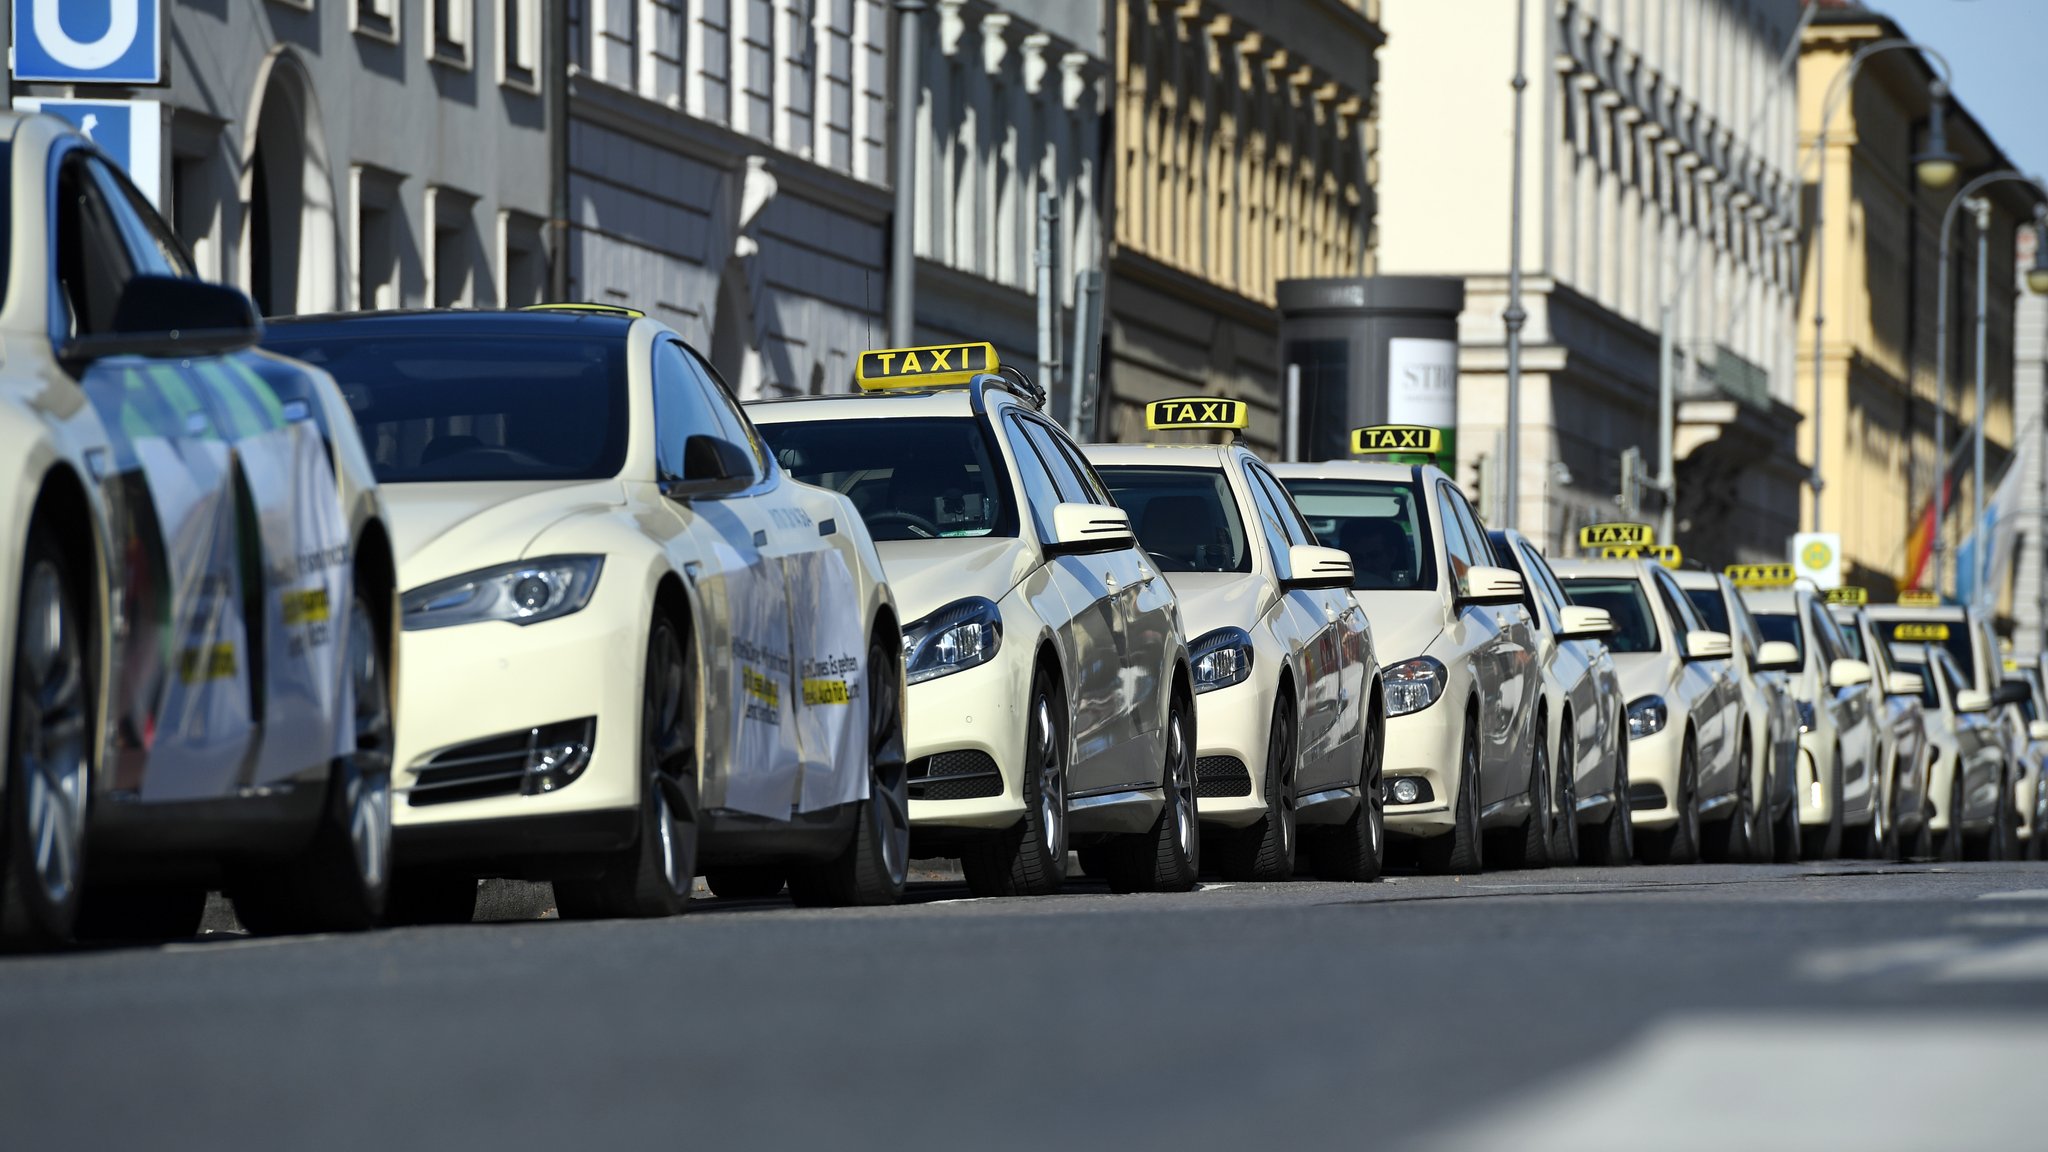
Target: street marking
[(1861, 961), (2016, 894), (1216, 887), (2022, 962)]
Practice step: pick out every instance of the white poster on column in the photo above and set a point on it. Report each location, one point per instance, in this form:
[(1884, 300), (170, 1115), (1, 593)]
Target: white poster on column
[(1422, 382)]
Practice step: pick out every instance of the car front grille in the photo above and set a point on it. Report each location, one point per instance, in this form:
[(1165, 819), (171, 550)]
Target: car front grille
[(494, 766), (955, 776), (1222, 776)]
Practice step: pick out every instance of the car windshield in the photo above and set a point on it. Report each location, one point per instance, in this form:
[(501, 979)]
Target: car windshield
[(1712, 607), (1635, 630), (1782, 626), (1379, 522), (443, 406), (1953, 635), (913, 479), (1186, 518)]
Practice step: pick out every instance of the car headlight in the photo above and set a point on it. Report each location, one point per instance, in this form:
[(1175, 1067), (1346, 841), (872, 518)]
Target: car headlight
[(1806, 723), (1221, 658), (1647, 716), (1413, 685), (527, 592), (959, 636)]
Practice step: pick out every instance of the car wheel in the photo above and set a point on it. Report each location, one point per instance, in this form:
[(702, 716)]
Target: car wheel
[(431, 898), (135, 913), (1995, 844), (1680, 843), (654, 877), (1265, 851), (49, 757), (1950, 846), (1825, 842), (1616, 844), (1167, 858), (1461, 850), (1564, 843), (1356, 850), (1728, 841), (340, 883), (1030, 857), (1529, 845), (874, 868), (1785, 825), (1882, 839), (744, 883)]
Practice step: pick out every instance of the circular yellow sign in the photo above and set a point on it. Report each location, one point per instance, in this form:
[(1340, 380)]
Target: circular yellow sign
[(1816, 555)]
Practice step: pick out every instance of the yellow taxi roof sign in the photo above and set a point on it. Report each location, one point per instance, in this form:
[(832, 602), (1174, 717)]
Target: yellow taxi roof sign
[(1666, 554), (1605, 535), (1760, 575), (1915, 630), (1197, 412), (593, 309), (1383, 438), (1919, 598), (932, 366), (1848, 594)]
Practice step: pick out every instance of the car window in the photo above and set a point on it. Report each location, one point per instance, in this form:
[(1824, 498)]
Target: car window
[(1077, 464), (1297, 529), (1676, 605), (682, 409), (911, 478), (1072, 485), (1040, 492), (1273, 524), (93, 263), (1830, 641), (156, 250), (1711, 606), (1623, 598), (1544, 597), (1745, 625), (1459, 552), (1784, 627), (1380, 524), (733, 424), (1186, 518)]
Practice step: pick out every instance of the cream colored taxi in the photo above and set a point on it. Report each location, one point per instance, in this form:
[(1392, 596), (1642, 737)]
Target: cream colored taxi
[(635, 649), (1763, 822), (1051, 700), (1457, 653), (1287, 695), (1838, 715), (1901, 827)]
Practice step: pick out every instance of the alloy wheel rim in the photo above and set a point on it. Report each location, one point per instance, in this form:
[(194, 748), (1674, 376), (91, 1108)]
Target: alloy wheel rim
[(887, 782), (1052, 784), (1288, 800), (369, 768), (670, 711), (1568, 799), (1374, 798), (50, 722), (1181, 780)]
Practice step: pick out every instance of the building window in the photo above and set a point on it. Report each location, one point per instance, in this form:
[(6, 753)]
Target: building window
[(377, 18), (450, 25), (453, 260), (519, 44), (522, 259), (379, 255), (757, 70)]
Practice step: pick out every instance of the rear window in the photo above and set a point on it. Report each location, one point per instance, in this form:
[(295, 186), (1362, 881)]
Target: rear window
[(1381, 524), (1954, 635), (1712, 607), (1635, 630)]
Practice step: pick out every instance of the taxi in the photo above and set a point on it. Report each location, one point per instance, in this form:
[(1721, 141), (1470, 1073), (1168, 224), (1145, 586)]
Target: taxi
[(1466, 771), (1285, 678), (1051, 697), (1684, 708), (1968, 761), (1902, 828), (2033, 796), (1764, 825), (636, 649)]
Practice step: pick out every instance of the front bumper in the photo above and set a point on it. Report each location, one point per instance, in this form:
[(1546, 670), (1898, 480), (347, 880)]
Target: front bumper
[(1234, 723), (981, 709), (1657, 759), (1426, 745)]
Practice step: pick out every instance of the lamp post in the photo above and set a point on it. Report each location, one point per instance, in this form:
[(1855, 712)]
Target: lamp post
[(903, 240), (1948, 219), (1936, 168), (1513, 317)]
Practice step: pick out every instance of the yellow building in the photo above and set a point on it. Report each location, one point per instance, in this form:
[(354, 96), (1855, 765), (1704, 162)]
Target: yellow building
[(1879, 273)]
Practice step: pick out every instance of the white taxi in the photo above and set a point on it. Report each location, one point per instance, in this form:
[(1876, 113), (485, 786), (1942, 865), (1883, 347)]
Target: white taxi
[(1684, 710), (1457, 651), (1284, 672), (1764, 825), (636, 649), (1902, 827), (1837, 717), (1051, 699)]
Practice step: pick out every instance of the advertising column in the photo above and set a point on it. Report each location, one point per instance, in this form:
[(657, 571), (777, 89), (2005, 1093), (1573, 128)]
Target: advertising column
[(1372, 350)]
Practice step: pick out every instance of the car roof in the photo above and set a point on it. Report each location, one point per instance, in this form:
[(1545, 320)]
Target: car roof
[(1773, 601), (1592, 566), (456, 321), (1691, 578), (1160, 455), (871, 405), (1943, 612), (1349, 470)]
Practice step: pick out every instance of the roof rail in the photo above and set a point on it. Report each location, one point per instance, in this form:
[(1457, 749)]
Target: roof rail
[(1010, 379)]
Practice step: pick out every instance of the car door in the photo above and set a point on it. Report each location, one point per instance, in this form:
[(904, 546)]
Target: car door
[(1313, 617), (1571, 663), (1717, 721), (1514, 675), (1855, 717), (1345, 637)]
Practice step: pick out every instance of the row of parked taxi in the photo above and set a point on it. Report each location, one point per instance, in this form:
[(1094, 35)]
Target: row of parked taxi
[(341, 614)]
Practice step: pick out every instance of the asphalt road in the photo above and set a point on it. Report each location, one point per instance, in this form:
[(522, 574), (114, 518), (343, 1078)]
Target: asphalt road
[(1810, 1007)]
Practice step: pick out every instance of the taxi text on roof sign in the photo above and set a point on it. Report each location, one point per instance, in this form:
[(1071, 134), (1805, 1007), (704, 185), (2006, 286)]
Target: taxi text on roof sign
[(935, 366), (1666, 554), (1848, 594), (1603, 535), (1759, 575), (1913, 630), (1379, 438), (1919, 598), (1197, 412)]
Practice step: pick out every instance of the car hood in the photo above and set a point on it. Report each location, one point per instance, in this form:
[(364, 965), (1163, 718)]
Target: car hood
[(1404, 624), (929, 574), (1212, 600), (1643, 673), (442, 530)]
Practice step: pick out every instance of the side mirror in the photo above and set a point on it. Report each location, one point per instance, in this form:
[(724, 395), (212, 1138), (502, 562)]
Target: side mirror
[(1704, 645), (1089, 528), (2037, 729), (1905, 684), (2010, 692), (1971, 700), (1488, 585), (1578, 622), (712, 467), (1777, 656), (1848, 673), (166, 316), (1309, 566)]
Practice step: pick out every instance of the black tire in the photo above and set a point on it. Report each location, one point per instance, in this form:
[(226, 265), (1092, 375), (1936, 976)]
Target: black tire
[(431, 898), (1564, 841), (340, 884), (1763, 847), (1995, 843), (1879, 838), (875, 867), (1265, 851), (1785, 825), (138, 913), (1680, 843), (1825, 841), (1920, 846), (1168, 857), (655, 876), (1728, 840), (1950, 845), (1615, 846), (1356, 850), (1030, 857), (1528, 846), (1461, 851), (745, 883), (49, 754)]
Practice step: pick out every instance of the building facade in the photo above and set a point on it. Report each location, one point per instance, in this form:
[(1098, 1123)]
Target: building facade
[(1243, 155), (1658, 173), (335, 154), (2029, 602)]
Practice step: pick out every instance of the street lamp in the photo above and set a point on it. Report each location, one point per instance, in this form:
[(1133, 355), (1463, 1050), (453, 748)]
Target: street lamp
[(1935, 168), (1513, 317)]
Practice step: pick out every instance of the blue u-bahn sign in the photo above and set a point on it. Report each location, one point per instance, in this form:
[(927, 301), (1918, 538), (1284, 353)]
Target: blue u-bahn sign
[(89, 41)]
